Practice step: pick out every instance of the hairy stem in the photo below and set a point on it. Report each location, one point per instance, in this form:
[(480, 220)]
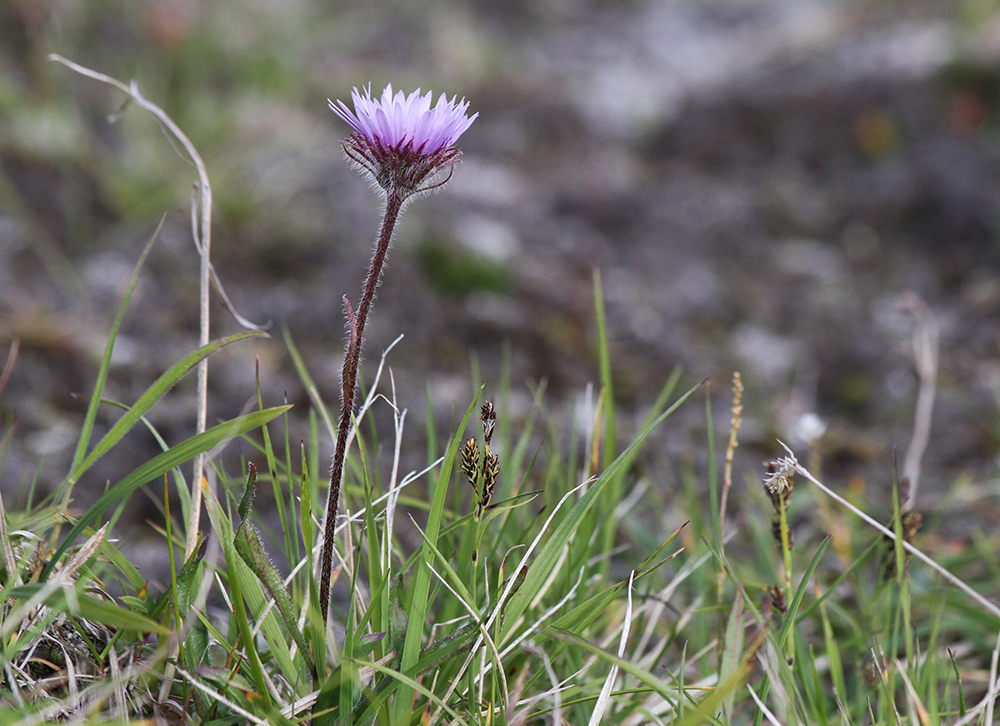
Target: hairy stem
[(349, 381)]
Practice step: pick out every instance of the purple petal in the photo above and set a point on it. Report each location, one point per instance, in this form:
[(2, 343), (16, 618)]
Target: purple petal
[(396, 120)]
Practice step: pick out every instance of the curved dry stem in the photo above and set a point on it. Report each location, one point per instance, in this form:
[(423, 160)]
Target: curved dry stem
[(201, 232), (201, 229), (925, 354)]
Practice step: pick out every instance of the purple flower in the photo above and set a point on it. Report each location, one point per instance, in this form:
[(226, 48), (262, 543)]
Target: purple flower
[(403, 144), (402, 141)]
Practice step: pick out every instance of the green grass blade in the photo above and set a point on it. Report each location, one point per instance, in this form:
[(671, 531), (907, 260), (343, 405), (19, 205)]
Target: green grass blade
[(958, 682), (414, 685), (163, 384), (706, 707), (102, 372), (581, 616), (604, 360), (540, 569), (834, 656), (796, 601), (311, 389), (613, 486), (175, 456), (714, 496), (417, 612)]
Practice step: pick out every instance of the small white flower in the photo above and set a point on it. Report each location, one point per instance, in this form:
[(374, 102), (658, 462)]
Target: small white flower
[(809, 428)]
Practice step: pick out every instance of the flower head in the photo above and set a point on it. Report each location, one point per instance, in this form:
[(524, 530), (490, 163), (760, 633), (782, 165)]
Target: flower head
[(402, 141), (779, 474)]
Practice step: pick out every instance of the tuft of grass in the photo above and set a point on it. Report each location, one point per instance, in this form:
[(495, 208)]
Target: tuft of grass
[(572, 583)]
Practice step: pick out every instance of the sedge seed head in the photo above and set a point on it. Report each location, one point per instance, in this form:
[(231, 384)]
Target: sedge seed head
[(470, 461)]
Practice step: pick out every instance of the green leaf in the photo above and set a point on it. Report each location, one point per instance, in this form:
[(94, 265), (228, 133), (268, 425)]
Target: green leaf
[(251, 551), (196, 646), (187, 579)]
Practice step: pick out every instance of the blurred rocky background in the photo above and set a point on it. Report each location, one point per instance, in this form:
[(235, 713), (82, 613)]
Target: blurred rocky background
[(779, 187)]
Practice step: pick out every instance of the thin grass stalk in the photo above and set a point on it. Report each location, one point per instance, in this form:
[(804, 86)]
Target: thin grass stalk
[(902, 569), (604, 360), (786, 566), (178, 630), (8, 368), (609, 450)]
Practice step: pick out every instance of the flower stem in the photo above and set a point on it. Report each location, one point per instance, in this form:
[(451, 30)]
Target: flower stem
[(349, 382)]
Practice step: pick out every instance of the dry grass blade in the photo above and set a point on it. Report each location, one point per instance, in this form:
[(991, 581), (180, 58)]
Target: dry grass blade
[(65, 657), (61, 578), (912, 697), (555, 689), (605, 697), (771, 718), (486, 639), (214, 694), (991, 695), (8, 368), (77, 707), (201, 222), (925, 354)]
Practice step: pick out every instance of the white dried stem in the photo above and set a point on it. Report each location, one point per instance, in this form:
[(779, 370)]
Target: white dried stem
[(990, 607), (925, 354), (201, 210)]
